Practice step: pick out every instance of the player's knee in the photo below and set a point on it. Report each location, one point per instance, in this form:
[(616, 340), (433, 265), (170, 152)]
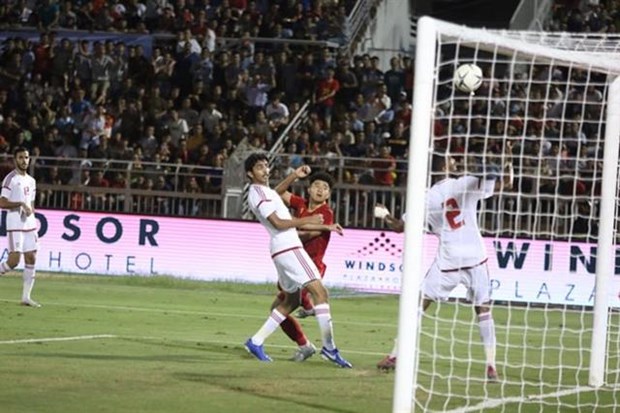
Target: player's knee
[(13, 260), (318, 292)]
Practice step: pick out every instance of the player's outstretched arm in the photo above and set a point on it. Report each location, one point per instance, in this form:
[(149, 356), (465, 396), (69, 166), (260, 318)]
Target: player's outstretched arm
[(312, 230), (283, 224), (381, 212), (282, 188), (395, 224)]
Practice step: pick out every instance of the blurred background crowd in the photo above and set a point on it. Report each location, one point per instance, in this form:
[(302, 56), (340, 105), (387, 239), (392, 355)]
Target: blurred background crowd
[(205, 86)]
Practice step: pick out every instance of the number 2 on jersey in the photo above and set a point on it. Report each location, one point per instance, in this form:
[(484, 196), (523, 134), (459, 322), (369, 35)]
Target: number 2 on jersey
[(452, 210)]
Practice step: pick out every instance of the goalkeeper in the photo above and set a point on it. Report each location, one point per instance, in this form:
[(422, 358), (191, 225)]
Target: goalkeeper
[(461, 256)]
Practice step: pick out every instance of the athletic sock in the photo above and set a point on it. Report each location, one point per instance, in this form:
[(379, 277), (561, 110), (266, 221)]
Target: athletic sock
[(273, 322), (324, 318), (28, 281), (4, 268), (487, 334), (394, 351)]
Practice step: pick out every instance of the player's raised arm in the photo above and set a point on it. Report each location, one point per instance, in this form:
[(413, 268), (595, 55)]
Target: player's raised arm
[(310, 231), (282, 188), (508, 173)]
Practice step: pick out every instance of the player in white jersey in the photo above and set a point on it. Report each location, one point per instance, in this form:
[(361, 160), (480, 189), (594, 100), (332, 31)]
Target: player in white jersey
[(17, 198), (451, 214), (294, 267)]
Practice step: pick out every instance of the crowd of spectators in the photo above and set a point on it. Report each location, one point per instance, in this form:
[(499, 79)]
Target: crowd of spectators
[(192, 99), (207, 19), (188, 100)]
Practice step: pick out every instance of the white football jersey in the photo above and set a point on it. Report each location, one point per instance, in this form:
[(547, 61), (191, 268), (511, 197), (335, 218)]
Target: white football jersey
[(263, 202), (19, 188), (452, 215)]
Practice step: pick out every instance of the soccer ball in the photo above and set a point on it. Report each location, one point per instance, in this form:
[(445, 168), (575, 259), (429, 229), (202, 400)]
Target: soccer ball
[(468, 78)]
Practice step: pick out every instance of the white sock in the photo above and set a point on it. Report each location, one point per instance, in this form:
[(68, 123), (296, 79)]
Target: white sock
[(394, 351), (487, 334), (28, 278), (4, 268), (324, 318), (271, 325)]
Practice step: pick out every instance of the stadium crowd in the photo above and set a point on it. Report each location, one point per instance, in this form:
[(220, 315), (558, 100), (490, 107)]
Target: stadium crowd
[(194, 98)]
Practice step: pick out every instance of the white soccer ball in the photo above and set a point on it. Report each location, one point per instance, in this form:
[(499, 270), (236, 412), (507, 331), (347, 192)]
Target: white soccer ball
[(468, 78)]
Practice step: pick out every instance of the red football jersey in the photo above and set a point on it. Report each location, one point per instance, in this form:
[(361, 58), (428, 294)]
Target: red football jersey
[(316, 246)]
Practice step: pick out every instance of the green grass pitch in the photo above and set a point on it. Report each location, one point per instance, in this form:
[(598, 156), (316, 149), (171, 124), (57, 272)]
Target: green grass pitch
[(132, 344)]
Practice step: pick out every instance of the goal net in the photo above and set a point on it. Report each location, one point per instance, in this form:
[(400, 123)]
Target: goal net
[(549, 106)]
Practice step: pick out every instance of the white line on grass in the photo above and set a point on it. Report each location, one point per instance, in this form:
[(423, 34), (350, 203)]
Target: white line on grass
[(230, 343), (49, 339), (488, 404), (204, 313)]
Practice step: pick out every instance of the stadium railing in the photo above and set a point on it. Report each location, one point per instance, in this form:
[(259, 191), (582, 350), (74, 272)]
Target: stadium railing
[(353, 196), (356, 23)]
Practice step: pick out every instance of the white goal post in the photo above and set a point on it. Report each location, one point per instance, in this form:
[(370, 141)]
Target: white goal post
[(557, 97)]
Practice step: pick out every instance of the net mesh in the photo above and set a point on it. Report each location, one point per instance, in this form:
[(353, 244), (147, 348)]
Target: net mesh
[(544, 113)]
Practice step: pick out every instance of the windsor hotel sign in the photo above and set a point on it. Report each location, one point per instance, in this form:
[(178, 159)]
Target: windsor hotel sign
[(364, 260)]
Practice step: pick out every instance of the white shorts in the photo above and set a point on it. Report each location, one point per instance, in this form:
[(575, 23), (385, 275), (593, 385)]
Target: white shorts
[(23, 241), (438, 285), (295, 269)]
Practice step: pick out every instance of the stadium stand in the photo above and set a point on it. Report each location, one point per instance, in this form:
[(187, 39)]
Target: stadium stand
[(145, 115)]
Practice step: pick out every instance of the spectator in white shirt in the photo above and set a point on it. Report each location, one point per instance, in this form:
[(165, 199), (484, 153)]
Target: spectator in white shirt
[(184, 37), (177, 127), (94, 130), (209, 117), (277, 112)]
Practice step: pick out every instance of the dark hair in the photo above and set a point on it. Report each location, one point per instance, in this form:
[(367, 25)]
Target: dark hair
[(253, 159), (19, 149), (322, 176)]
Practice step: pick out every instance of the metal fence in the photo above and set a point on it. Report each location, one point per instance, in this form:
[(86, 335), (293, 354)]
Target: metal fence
[(189, 191), (128, 186)]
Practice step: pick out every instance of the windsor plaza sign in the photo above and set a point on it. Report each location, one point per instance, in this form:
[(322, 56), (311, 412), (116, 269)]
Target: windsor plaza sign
[(363, 260)]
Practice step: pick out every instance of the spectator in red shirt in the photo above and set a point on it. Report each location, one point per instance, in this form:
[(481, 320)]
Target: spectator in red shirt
[(43, 57), (325, 93), (384, 167)]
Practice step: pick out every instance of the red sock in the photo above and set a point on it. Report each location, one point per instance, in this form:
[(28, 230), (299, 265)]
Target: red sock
[(306, 301), (293, 330)]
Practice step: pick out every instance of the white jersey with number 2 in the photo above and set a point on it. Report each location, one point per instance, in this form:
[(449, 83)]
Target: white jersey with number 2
[(452, 215)]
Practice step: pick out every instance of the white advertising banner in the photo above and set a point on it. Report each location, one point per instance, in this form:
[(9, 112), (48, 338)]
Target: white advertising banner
[(362, 260)]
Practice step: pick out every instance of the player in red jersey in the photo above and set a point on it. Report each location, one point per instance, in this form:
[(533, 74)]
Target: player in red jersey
[(315, 239)]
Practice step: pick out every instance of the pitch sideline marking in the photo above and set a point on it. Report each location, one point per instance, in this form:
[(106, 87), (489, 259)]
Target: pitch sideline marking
[(488, 404), (51, 339), (172, 311), (232, 343), (258, 317)]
